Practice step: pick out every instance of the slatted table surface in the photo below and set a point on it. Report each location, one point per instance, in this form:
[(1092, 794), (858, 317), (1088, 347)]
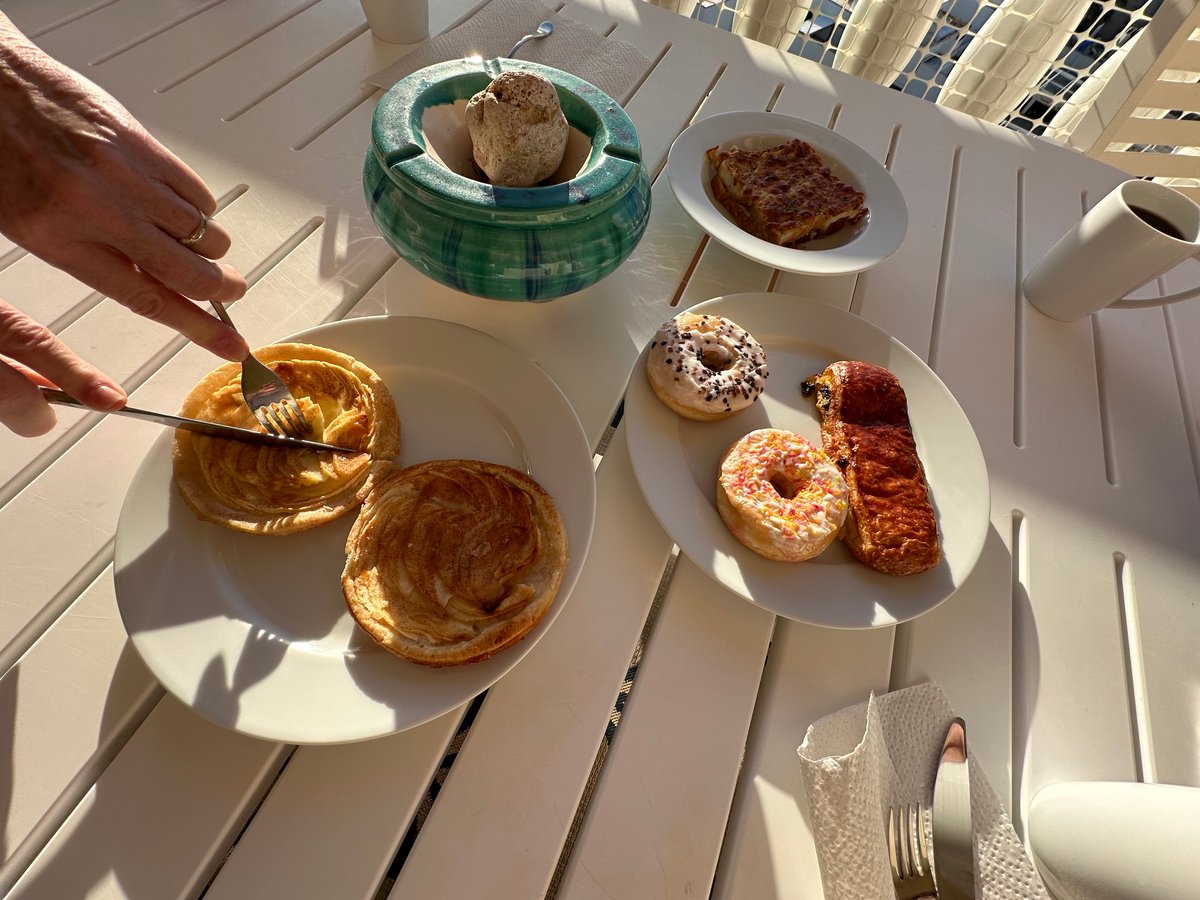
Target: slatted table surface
[(1069, 650)]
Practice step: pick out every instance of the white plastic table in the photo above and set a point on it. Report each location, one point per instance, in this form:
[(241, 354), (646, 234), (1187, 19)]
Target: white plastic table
[(1070, 650)]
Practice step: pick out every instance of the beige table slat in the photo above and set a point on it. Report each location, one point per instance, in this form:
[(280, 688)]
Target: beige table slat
[(810, 672), (1025, 429), (656, 822), (540, 806), (976, 312), (366, 792), (46, 293), (159, 818), (40, 17), (1072, 629), (521, 772), (116, 29), (1166, 629), (69, 704), (1156, 549)]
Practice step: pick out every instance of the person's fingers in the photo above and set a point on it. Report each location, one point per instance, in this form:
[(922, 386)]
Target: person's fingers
[(136, 290), (80, 380), (182, 221), (33, 346), (22, 409), (184, 269), (39, 356), (183, 180), (209, 240)]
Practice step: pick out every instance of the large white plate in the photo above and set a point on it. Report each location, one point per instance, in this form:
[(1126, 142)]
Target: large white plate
[(851, 250), (676, 463), (252, 631)]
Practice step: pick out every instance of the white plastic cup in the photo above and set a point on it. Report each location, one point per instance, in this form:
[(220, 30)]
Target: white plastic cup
[(1136, 232), (398, 21)]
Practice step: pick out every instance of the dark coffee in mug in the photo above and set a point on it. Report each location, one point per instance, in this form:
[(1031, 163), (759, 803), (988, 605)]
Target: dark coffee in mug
[(1157, 222)]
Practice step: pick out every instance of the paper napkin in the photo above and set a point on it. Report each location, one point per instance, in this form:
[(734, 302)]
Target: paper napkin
[(611, 65), (857, 762)]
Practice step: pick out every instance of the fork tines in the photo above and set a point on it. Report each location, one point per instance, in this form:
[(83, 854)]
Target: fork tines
[(908, 852), (283, 418)]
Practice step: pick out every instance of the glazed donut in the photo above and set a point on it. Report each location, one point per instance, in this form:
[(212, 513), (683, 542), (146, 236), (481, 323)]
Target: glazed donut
[(780, 495), (705, 367)]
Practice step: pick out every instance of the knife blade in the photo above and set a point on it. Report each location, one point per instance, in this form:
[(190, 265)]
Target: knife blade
[(212, 429), (953, 841)]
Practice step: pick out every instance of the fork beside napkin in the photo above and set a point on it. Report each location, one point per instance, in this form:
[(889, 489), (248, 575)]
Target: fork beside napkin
[(861, 760), (611, 65)]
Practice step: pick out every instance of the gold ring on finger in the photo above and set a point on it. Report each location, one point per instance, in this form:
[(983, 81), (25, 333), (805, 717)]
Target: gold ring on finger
[(198, 235)]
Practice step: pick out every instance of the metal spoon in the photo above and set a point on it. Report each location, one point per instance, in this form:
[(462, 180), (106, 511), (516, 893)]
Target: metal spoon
[(542, 30)]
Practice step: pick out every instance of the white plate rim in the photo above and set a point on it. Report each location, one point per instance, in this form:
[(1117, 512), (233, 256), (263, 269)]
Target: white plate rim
[(294, 702), (833, 590), (689, 173)]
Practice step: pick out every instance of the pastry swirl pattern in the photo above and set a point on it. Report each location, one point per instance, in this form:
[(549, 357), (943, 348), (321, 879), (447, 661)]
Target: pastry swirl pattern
[(451, 561), (279, 491)]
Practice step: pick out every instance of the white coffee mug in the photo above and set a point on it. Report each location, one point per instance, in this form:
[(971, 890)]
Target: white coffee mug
[(1135, 233), (398, 21)]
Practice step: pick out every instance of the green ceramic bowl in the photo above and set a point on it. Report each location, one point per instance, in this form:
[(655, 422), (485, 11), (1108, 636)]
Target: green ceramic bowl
[(504, 243)]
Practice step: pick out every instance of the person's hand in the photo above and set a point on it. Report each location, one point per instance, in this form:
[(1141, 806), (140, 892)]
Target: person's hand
[(36, 356), (86, 188)]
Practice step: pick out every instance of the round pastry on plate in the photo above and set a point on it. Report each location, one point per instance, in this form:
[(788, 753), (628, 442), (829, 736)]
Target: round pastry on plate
[(451, 561), (269, 490), (705, 367)]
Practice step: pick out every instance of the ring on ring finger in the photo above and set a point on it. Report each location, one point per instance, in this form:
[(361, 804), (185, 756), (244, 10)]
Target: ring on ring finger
[(198, 235)]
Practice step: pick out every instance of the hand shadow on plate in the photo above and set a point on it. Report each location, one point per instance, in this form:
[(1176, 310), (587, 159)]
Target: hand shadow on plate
[(250, 597)]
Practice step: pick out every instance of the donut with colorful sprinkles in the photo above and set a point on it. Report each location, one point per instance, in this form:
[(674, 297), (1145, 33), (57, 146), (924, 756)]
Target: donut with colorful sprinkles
[(780, 495), (705, 367)]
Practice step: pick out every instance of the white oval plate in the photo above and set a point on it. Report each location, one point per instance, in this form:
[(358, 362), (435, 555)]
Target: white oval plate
[(252, 631), (853, 249), (676, 462)]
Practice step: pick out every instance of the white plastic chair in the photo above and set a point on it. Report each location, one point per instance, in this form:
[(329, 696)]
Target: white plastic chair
[(1131, 118)]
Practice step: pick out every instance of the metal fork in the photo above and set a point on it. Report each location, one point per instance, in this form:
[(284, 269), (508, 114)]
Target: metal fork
[(909, 853), (266, 394)]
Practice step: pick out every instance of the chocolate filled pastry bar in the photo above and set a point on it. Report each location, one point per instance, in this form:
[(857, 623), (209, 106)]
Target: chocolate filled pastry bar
[(865, 430), (273, 490), (451, 561), (786, 194)]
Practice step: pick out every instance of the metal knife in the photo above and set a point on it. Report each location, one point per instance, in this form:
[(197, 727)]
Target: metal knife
[(212, 429), (953, 841)]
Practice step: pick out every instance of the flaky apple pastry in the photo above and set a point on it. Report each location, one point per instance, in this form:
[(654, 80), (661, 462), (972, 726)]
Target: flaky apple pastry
[(451, 561), (268, 490)]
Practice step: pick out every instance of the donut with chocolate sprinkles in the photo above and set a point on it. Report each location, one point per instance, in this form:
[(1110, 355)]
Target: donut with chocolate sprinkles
[(705, 367)]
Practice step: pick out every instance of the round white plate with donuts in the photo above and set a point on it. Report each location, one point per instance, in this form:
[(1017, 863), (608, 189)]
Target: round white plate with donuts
[(676, 461), (854, 248)]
